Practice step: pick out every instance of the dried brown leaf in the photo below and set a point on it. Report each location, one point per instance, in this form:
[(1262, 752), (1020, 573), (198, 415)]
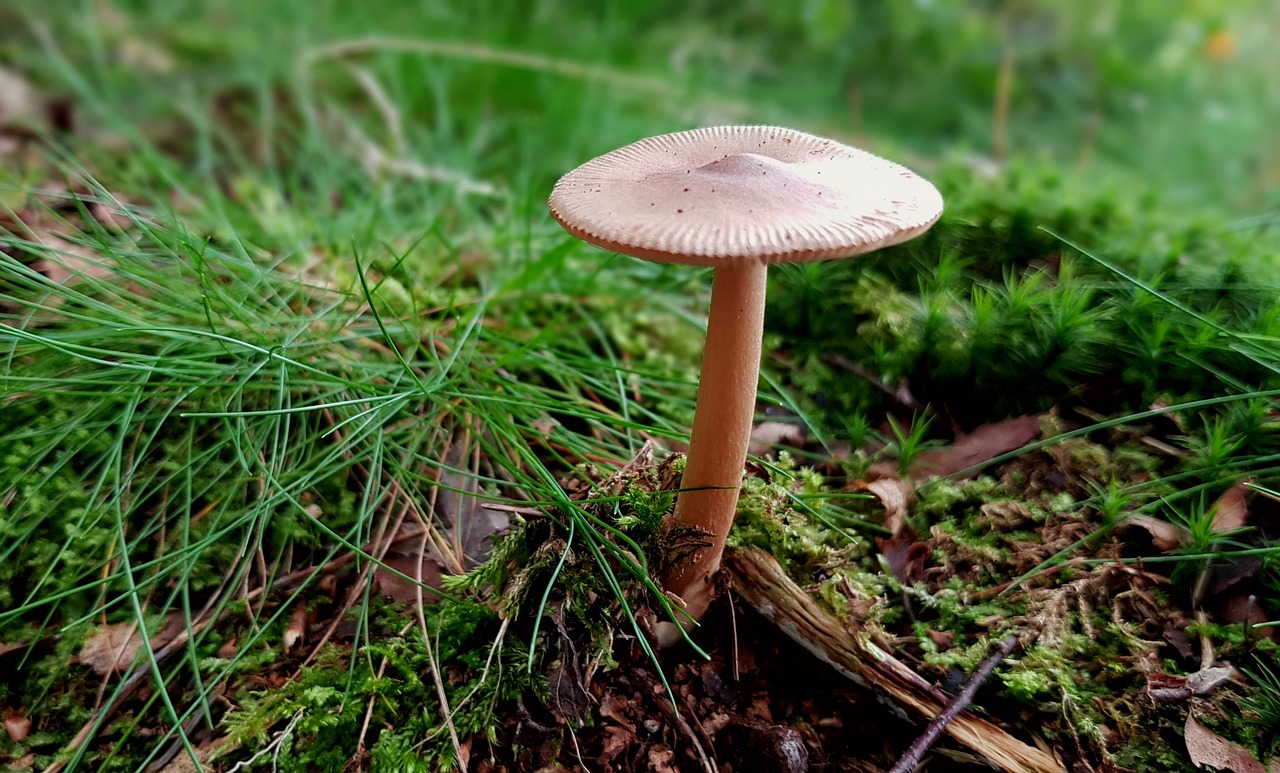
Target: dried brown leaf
[(768, 434), (941, 639), (545, 424), (112, 649), (1242, 609), (982, 445), (402, 591), (616, 741), (144, 53), (1207, 681), (895, 495), (17, 726), (615, 707), (110, 216), (1207, 748), (662, 759), (1165, 536), (1165, 689), (457, 506), (296, 631), (905, 557), (1231, 511), (569, 697), (70, 261)]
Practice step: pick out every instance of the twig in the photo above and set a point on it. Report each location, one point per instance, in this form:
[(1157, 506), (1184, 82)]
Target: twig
[(733, 631), (375, 160), (274, 747), (436, 676), (1207, 656), (498, 507), (438, 679), (481, 54), (938, 724), (761, 582), (385, 106), (1004, 85)]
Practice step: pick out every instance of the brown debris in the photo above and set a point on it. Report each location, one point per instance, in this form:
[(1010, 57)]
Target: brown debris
[(1166, 688), (763, 583), (113, 648), (1165, 536), (295, 633), (17, 726), (896, 496), (1231, 511), (975, 448), (963, 699), (906, 558), (1208, 749)]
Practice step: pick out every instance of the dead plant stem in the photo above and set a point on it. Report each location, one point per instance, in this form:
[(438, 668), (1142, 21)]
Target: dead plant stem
[(938, 724)]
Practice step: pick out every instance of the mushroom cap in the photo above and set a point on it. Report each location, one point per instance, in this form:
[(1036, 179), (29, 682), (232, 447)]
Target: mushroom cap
[(729, 195)]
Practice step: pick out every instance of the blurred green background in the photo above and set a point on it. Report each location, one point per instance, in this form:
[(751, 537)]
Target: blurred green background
[(1180, 94)]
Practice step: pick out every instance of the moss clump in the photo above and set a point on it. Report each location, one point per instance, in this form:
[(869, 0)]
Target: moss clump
[(316, 720), (773, 515), (559, 597)]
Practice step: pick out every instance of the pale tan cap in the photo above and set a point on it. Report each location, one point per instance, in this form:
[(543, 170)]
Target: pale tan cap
[(731, 194)]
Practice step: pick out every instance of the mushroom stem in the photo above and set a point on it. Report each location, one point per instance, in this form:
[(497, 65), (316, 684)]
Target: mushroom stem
[(722, 425)]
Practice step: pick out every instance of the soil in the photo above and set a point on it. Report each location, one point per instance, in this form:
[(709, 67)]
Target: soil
[(761, 703)]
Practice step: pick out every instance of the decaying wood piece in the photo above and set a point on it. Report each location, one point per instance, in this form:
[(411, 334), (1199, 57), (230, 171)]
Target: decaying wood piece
[(759, 579)]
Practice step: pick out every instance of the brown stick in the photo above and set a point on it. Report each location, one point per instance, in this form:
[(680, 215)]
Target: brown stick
[(758, 579), (958, 704)]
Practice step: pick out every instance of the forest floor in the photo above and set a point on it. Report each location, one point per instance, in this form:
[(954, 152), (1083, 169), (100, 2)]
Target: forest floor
[(325, 449)]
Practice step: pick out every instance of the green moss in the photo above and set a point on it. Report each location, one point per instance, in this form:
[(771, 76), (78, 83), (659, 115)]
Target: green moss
[(322, 712), (948, 497), (1233, 635), (772, 516), (541, 591)]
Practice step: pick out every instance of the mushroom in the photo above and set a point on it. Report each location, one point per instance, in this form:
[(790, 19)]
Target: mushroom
[(736, 198)]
